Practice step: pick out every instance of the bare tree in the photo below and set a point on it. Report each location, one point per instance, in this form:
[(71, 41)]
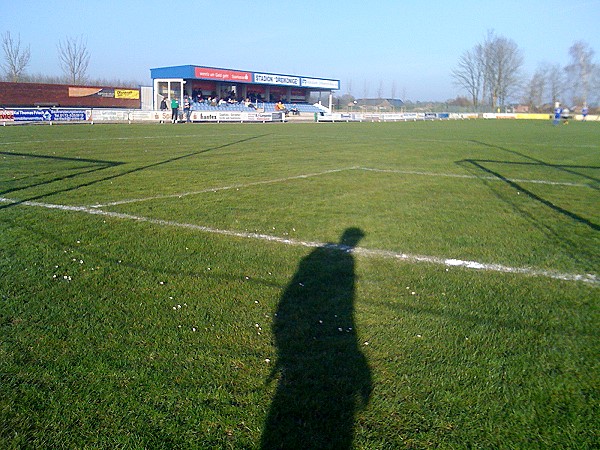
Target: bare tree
[(490, 70), (503, 61), (469, 74), (15, 57), (535, 90), (349, 84), (555, 81), (580, 71), (380, 89), (595, 86), (74, 58)]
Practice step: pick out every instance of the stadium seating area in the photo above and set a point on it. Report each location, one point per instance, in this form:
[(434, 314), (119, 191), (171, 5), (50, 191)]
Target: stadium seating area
[(266, 107), (226, 107), (301, 107)]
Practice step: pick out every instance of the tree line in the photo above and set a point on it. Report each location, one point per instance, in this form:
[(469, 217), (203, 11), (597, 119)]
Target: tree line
[(490, 73), (73, 56)]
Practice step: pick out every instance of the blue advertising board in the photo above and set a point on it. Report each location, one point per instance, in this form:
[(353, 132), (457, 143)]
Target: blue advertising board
[(48, 115)]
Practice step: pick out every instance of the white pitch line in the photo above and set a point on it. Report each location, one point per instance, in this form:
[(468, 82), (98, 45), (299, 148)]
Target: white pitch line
[(448, 262), (457, 175), (222, 188), (309, 175)]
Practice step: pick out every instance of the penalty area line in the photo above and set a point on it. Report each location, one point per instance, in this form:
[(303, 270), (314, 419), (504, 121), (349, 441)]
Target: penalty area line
[(361, 251), (223, 188), (326, 172)]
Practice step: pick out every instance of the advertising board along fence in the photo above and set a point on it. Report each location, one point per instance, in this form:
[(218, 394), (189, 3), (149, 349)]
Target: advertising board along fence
[(50, 116), (101, 115), (390, 117), (42, 115), (414, 116)]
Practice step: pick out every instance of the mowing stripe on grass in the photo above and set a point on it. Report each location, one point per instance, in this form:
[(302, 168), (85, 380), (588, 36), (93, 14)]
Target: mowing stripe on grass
[(448, 262)]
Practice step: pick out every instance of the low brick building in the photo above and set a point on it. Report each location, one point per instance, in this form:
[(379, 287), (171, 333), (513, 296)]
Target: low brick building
[(64, 95)]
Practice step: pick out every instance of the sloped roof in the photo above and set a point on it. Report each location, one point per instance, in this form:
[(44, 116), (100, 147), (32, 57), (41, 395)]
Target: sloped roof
[(383, 102)]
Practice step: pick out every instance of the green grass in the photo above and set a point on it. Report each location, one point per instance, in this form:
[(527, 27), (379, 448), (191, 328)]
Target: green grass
[(146, 331)]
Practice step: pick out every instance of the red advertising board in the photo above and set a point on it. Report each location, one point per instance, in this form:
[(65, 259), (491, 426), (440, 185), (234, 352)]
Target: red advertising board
[(7, 115), (210, 73)]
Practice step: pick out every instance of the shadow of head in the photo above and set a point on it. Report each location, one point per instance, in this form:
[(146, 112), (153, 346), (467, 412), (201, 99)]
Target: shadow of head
[(351, 237)]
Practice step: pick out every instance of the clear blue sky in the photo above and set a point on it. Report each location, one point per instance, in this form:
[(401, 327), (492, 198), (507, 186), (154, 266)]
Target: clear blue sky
[(412, 44)]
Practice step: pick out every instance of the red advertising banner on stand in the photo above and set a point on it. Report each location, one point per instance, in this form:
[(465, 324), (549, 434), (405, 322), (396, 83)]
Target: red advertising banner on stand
[(210, 73)]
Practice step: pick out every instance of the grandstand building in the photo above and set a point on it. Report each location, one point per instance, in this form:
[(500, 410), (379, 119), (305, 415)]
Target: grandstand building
[(264, 89)]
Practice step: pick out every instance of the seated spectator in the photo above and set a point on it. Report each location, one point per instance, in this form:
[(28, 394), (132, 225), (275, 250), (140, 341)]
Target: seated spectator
[(249, 104), (280, 107)]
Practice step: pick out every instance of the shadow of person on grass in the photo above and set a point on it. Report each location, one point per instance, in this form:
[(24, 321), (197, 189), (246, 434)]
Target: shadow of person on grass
[(323, 377)]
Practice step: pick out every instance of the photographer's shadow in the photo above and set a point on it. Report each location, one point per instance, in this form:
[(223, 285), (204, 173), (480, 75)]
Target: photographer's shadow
[(323, 377)]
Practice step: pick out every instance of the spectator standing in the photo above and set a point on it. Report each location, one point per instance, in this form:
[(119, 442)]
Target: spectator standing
[(174, 110), (163, 109), (187, 108)]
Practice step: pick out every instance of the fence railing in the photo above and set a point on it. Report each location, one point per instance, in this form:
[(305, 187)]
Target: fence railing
[(51, 116), (102, 115)]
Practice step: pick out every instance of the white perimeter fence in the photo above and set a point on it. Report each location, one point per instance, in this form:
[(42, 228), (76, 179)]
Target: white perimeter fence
[(70, 115), (10, 116), (412, 116)]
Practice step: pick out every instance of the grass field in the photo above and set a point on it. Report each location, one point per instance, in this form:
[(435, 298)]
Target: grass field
[(369, 286)]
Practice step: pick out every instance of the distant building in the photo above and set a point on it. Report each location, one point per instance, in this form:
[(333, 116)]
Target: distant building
[(522, 109), (380, 104)]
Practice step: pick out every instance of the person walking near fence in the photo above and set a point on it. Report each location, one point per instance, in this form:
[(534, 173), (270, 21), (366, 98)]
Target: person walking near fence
[(174, 110)]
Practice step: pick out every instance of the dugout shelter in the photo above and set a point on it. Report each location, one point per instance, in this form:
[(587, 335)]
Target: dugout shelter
[(176, 81)]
